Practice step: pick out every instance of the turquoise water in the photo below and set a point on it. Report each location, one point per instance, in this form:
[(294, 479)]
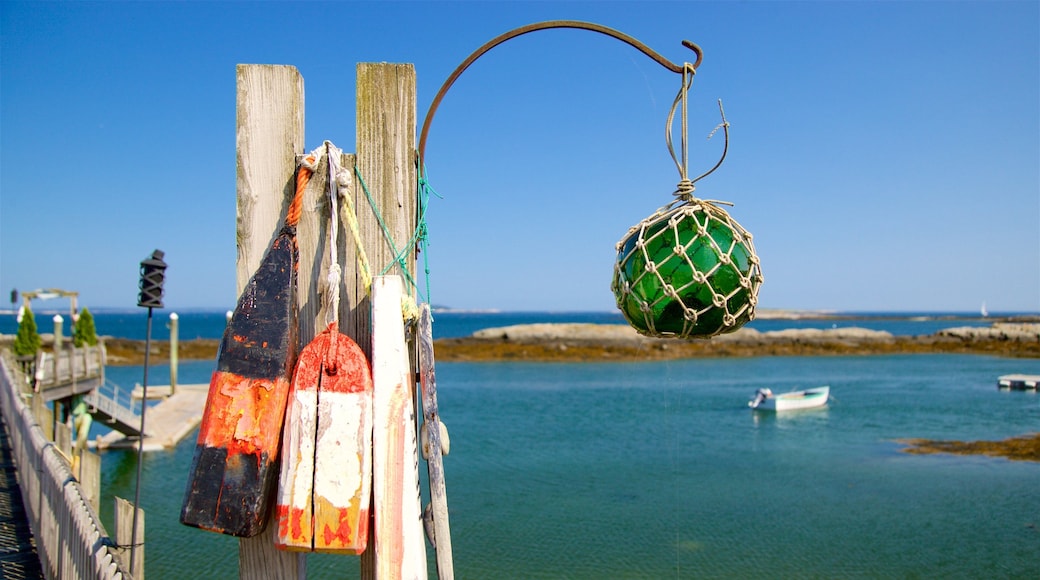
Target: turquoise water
[(658, 470), (210, 323)]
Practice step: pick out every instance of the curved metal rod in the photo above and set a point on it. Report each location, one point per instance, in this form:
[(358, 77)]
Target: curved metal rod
[(543, 26)]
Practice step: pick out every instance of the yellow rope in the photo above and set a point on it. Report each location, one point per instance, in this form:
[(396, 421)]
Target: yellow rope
[(345, 179)]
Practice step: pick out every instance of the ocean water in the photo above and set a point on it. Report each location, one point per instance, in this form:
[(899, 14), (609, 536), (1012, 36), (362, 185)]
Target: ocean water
[(659, 470), (132, 323)]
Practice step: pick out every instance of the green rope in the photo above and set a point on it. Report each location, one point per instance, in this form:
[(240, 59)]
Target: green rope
[(399, 256), (422, 233)]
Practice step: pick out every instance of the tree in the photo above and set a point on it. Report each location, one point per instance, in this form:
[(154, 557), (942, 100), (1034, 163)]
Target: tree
[(84, 333), (27, 341)]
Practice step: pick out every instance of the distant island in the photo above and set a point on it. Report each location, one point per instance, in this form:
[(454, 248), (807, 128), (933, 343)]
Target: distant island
[(586, 342)]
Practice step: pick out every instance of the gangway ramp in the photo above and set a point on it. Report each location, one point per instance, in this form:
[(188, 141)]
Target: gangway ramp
[(167, 422), (115, 408)]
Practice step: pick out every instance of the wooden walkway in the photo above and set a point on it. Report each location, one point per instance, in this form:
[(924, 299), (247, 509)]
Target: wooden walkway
[(70, 541), (70, 371), (18, 556), (167, 422)]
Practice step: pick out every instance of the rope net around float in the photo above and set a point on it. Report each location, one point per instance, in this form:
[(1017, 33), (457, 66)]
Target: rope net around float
[(688, 270)]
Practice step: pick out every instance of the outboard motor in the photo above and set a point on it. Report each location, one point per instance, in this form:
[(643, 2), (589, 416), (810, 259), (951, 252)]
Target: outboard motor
[(760, 395)]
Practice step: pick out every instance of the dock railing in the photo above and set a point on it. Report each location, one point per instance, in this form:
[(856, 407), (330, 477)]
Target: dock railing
[(70, 371), (70, 539), (116, 407)]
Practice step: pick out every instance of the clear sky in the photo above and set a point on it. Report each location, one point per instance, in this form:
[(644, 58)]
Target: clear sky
[(885, 155)]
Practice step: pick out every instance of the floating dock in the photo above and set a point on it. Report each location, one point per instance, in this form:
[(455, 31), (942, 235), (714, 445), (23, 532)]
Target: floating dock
[(1018, 382), (167, 422)]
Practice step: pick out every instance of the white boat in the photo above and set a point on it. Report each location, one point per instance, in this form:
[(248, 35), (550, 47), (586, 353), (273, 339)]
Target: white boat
[(765, 400)]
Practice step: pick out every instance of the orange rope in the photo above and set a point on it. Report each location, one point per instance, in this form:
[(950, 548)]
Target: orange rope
[(303, 175)]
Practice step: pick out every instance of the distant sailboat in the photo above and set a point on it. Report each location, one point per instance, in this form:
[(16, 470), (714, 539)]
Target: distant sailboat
[(983, 311)]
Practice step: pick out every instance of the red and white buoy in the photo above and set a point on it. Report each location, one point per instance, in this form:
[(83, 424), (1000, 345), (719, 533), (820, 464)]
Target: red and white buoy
[(325, 488)]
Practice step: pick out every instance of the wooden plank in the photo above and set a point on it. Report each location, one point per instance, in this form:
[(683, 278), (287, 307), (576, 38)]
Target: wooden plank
[(433, 445), (385, 121), (400, 548)]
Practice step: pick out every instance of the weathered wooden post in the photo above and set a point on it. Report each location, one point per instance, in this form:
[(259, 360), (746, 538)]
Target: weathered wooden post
[(126, 539), (173, 352), (44, 415), (269, 135), (386, 122), (89, 477), (63, 439)]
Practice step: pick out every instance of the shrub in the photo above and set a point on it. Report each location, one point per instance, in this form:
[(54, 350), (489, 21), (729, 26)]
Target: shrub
[(84, 333), (27, 341)]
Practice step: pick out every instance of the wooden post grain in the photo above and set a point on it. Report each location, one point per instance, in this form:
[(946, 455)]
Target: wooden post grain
[(269, 136), (386, 123), (386, 162)]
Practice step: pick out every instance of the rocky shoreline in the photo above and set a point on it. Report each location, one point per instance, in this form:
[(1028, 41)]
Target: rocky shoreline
[(603, 342)]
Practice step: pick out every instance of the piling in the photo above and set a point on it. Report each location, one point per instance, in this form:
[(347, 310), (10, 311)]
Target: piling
[(58, 323), (173, 352)]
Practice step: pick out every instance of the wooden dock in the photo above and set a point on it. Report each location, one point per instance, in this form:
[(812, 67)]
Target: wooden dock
[(167, 422), (1018, 382), (69, 371)]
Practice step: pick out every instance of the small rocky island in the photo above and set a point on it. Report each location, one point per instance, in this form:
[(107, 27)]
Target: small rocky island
[(599, 342)]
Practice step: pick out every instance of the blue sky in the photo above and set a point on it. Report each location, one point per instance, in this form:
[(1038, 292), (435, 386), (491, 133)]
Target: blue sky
[(885, 155)]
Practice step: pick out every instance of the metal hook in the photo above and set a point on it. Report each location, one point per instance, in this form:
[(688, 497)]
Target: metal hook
[(543, 26)]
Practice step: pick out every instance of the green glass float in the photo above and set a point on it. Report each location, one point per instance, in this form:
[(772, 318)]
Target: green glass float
[(687, 271)]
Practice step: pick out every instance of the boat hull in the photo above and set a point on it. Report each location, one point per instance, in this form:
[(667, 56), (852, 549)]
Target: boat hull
[(795, 400)]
